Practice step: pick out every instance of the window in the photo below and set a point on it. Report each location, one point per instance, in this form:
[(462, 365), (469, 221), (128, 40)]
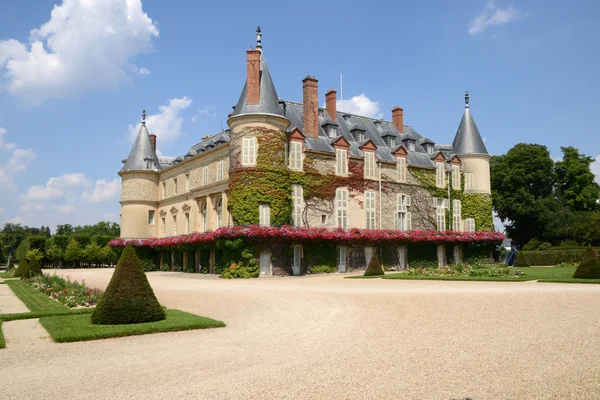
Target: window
[(455, 177), (343, 254), (204, 221), (404, 220), (163, 228), (296, 155), (369, 165), (401, 169), (360, 136), (392, 142), (470, 225), (149, 164), (430, 149), (187, 222), (298, 204), (370, 209), (175, 184), (468, 181), (411, 145), (440, 175), (164, 187), (249, 151), (440, 213), (204, 176), (264, 215), (341, 204), (174, 225), (151, 217), (219, 213), (341, 162), (220, 171), (331, 131), (187, 182), (456, 215)]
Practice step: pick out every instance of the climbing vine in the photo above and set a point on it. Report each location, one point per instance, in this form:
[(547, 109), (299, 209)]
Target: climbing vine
[(473, 205)]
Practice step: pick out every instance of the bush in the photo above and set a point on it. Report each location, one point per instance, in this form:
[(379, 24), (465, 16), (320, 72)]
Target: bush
[(554, 256), (323, 269), (521, 260), (129, 298), (34, 268), (10, 267), (374, 268), (589, 267), (247, 267), (22, 269)]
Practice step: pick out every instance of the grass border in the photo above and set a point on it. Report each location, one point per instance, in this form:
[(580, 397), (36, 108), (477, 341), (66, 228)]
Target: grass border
[(2, 341), (33, 298), (76, 328)]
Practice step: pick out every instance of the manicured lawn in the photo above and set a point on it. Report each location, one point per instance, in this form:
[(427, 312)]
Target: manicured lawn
[(2, 342), (543, 274), (34, 299), (74, 328), (49, 313), (5, 275)]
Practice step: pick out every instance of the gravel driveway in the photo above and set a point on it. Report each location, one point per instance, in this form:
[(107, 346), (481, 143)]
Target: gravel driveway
[(333, 338)]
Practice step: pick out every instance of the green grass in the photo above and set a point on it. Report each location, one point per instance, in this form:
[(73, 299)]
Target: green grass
[(49, 313), (5, 275), (74, 328), (32, 298), (2, 342)]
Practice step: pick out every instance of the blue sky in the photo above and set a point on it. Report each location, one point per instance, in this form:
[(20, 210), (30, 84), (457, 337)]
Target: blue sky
[(73, 81)]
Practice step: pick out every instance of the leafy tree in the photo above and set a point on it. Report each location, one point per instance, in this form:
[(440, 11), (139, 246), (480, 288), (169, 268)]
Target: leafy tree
[(60, 240), (109, 255), (576, 187), (55, 254), (34, 254), (65, 229), (2, 258), (129, 298), (522, 185), (73, 253), (92, 253)]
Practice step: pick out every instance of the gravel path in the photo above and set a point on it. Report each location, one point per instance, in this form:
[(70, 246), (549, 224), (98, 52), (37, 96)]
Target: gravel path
[(334, 338), (9, 302)]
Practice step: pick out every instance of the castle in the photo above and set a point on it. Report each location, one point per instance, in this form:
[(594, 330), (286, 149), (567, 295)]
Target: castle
[(295, 163)]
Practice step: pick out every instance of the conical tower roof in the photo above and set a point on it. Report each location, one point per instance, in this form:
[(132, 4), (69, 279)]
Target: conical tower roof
[(467, 139), (142, 156), (269, 101)]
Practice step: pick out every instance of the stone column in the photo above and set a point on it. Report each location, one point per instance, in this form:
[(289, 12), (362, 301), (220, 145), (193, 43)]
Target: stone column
[(210, 214), (441, 255), (211, 262), (224, 212), (458, 254), (172, 260), (197, 261), (403, 257)]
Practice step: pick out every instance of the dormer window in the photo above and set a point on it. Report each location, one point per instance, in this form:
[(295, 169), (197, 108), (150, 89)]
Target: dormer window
[(149, 164), (331, 131), (346, 117), (411, 145), (377, 124), (430, 149), (391, 142)]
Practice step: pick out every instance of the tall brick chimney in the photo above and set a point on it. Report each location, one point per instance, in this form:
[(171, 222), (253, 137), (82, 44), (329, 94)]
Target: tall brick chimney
[(330, 103), (398, 118), (310, 90), (253, 79), (153, 140)]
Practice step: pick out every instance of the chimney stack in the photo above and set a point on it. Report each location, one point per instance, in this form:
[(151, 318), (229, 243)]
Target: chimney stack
[(253, 79), (398, 118), (331, 104), (310, 90), (153, 140)]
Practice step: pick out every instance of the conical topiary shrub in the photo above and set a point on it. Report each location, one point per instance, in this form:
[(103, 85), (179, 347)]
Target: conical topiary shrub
[(589, 268), (374, 268), (521, 261), (11, 267), (22, 269), (128, 299), (34, 268)]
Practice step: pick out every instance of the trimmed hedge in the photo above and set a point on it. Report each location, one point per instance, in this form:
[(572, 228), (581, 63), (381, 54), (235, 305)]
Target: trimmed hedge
[(521, 261), (22, 269), (129, 298), (553, 257), (589, 267), (374, 267)]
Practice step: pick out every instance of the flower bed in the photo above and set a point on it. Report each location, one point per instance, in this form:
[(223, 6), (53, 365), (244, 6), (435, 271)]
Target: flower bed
[(71, 294), (291, 234), (462, 270)]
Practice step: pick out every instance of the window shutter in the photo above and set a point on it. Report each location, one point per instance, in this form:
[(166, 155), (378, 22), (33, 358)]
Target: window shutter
[(408, 221), (407, 200)]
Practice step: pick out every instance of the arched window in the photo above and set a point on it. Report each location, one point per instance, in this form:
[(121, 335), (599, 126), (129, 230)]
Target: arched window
[(219, 213), (204, 217)]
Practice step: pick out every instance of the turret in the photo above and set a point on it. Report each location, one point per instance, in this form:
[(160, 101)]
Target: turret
[(469, 146), (139, 187)]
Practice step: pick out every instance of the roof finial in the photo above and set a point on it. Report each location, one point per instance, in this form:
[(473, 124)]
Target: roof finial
[(258, 38), (143, 117), (466, 99)]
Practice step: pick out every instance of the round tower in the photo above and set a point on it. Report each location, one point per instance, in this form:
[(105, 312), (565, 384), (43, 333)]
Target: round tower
[(139, 187)]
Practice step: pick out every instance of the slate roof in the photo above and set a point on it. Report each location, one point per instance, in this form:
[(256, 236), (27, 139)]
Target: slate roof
[(467, 139), (141, 152)]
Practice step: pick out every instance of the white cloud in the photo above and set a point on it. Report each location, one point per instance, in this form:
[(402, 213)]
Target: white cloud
[(493, 15), (16, 162), (596, 168), (143, 71), (86, 44), (102, 191), (166, 125), (60, 187), (360, 105)]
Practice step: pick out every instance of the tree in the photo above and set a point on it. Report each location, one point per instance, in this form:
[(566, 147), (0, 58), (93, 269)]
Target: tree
[(522, 183), (374, 268), (129, 298), (92, 254), (575, 185), (73, 252), (55, 254), (65, 229)]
